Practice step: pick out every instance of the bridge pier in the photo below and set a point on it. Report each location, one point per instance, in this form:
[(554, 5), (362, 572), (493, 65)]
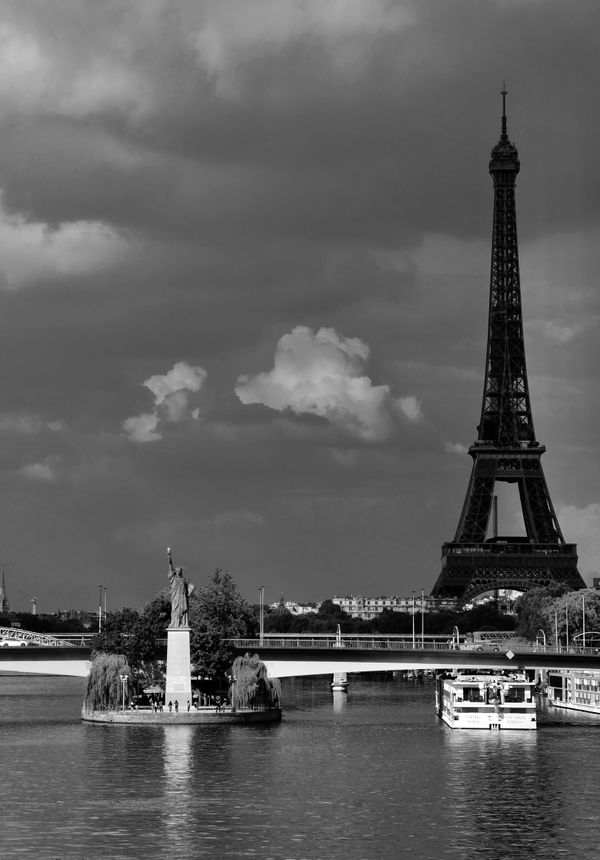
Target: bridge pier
[(340, 682)]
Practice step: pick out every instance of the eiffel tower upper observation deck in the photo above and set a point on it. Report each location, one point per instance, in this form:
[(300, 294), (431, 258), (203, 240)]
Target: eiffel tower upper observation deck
[(506, 448)]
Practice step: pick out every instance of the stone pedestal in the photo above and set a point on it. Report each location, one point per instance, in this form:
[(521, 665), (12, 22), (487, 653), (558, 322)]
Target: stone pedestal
[(179, 675)]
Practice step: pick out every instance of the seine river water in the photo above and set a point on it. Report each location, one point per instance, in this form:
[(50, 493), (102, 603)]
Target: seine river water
[(370, 774)]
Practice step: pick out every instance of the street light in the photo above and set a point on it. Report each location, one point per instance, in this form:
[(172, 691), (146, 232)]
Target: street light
[(583, 616), (413, 621), (261, 596), (567, 620), (123, 682), (105, 587), (100, 587), (556, 628), (457, 634), (543, 633), (422, 618)]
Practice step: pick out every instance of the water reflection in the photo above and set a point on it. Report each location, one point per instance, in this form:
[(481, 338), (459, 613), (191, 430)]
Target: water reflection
[(506, 800), (380, 777), (340, 700), (178, 766)]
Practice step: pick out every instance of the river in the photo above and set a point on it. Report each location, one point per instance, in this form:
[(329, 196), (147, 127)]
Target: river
[(368, 774)]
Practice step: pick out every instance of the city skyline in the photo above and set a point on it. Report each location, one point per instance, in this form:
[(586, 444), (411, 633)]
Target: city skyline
[(244, 265)]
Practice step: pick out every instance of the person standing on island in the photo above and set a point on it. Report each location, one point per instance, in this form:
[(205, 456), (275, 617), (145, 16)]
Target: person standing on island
[(180, 593)]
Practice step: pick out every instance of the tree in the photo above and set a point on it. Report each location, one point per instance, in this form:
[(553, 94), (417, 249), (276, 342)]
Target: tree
[(535, 610), (104, 689), (218, 612), (486, 616), (566, 611), (134, 634), (251, 687)]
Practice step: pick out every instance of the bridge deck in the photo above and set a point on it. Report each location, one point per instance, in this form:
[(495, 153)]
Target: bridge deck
[(46, 660), (287, 657)]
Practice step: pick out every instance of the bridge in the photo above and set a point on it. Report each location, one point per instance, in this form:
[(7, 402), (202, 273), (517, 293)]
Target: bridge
[(25, 651), (294, 655)]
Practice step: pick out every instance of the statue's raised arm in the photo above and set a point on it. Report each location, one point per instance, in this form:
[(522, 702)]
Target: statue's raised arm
[(179, 594)]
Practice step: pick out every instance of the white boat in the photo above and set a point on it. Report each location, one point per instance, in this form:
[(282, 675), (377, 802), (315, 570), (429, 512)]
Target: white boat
[(574, 689), (486, 702)]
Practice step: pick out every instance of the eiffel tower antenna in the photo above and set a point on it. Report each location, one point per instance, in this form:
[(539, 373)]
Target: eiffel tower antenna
[(506, 448)]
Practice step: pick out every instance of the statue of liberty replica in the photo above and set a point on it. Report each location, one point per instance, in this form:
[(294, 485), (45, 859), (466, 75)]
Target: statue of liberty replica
[(180, 594), (178, 686)]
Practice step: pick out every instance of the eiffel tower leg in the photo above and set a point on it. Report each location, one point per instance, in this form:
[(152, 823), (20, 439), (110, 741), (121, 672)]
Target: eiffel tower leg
[(475, 517), (538, 512)]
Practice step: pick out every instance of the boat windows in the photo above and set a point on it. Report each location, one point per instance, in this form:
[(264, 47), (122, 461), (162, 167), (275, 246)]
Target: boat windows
[(514, 694), (471, 694)]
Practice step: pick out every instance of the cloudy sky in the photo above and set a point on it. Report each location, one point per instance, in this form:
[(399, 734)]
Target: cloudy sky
[(244, 272)]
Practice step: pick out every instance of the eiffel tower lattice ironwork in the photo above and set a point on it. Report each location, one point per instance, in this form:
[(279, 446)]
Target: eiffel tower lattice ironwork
[(506, 448)]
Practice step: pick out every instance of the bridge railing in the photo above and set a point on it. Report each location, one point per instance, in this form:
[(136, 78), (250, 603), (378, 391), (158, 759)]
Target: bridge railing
[(18, 636), (367, 642)]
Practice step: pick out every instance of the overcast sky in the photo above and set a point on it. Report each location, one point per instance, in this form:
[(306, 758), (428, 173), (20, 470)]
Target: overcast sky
[(244, 274)]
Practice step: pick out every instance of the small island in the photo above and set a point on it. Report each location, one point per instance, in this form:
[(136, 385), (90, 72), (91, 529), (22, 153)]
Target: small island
[(125, 686)]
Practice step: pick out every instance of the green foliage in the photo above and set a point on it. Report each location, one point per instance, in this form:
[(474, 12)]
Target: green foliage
[(251, 687), (535, 608), (483, 617), (218, 612), (104, 690), (43, 623), (135, 633), (556, 611)]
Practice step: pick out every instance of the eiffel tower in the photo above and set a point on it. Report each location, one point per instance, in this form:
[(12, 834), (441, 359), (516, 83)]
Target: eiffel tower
[(506, 448)]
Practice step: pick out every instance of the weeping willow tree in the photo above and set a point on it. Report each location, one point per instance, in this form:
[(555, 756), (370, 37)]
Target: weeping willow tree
[(104, 689), (251, 688)]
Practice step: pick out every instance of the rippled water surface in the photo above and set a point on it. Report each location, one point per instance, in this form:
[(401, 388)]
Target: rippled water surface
[(368, 774)]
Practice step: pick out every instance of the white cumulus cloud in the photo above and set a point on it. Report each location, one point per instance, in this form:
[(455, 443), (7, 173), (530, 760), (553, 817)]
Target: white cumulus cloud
[(410, 407), (323, 373), (27, 424), (45, 471), (172, 401), (455, 448), (29, 250)]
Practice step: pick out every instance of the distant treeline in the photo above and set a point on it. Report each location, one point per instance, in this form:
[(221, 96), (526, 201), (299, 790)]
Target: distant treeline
[(484, 617)]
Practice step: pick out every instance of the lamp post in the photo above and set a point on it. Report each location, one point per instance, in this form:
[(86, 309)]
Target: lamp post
[(456, 634), (543, 634), (261, 598), (422, 618), (413, 621), (583, 616), (567, 621), (123, 682), (105, 587), (100, 608), (556, 628)]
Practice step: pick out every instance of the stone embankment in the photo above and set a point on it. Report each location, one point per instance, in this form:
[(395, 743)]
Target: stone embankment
[(201, 716)]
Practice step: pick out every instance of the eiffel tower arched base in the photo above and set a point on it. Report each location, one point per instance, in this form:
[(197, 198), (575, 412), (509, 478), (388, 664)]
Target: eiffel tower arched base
[(472, 569)]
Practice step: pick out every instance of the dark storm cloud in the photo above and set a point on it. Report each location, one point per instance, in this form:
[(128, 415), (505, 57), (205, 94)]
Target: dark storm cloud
[(185, 184)]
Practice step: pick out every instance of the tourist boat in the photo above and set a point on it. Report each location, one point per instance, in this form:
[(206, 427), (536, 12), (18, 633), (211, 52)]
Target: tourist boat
[(486, 702), (574, 689)]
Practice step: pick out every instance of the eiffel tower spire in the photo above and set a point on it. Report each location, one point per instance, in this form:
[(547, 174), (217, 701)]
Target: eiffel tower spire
[(506, 448)]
